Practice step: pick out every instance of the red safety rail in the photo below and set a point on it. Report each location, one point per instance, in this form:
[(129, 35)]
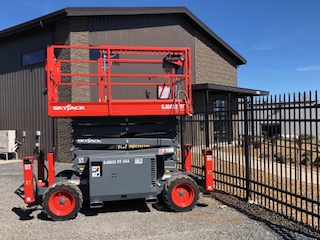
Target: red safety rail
[(172, 77)]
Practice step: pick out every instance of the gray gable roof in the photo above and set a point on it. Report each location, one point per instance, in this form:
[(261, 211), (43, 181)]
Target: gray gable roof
[(100, 11)]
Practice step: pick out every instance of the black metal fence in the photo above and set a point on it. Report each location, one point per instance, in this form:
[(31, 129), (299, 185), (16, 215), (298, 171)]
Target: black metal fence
[(266, 151)]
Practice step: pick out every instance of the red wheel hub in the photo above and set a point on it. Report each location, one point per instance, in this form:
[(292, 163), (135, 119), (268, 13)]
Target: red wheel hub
[(62, 203), (183, 195)]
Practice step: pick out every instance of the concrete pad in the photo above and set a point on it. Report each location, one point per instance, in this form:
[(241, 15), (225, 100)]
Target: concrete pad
[(2, 161)]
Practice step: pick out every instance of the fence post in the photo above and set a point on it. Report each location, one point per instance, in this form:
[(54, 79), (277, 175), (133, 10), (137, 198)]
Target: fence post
[(229, 119), (206, 125), (182, 118), (246, 151)]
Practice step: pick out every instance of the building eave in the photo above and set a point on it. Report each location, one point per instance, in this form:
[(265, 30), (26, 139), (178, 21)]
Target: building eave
[(216, 88)]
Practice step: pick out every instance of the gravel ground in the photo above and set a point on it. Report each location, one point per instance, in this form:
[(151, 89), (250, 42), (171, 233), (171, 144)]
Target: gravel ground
[(217, 216)]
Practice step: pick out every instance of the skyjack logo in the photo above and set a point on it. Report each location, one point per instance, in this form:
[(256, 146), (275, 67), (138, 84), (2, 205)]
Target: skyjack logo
[(69, 107), (89, 140)]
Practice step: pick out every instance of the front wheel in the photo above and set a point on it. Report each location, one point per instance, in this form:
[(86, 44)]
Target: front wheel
[(180, 193), (62, 201)]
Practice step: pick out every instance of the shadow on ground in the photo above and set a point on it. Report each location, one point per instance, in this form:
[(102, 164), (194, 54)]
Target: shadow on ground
[(120, 206), (23, 214), (117, 206)]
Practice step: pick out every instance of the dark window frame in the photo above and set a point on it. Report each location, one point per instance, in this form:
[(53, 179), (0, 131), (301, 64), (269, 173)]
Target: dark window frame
[(38, 59)]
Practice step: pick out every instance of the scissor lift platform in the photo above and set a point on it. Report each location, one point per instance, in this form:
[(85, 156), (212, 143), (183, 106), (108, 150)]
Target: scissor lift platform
[(161, 77), (129, 152)]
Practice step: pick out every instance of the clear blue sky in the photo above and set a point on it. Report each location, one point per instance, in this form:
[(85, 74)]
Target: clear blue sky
[(279, 38)]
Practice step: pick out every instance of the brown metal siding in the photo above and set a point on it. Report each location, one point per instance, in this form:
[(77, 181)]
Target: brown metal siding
[(157, 30), (139, 30), (212, 64), (22, 102)]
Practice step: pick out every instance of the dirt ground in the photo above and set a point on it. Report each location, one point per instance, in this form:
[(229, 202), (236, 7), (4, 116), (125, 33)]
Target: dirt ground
[(217, 216), (282, 150)]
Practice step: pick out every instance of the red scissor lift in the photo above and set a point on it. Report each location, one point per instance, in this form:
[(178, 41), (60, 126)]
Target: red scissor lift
[(150, 86)]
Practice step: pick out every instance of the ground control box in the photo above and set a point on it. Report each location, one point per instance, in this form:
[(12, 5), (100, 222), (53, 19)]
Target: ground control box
[(123, 177)]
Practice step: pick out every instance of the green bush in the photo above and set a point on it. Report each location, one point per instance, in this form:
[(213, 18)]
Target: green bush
[(307, 138)]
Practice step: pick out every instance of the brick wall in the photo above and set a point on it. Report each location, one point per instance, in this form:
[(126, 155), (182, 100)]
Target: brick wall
[(71, 31), (80, 37), (212, 65)]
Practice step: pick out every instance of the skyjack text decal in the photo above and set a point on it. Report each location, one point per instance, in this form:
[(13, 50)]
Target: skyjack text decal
[(68, 107), (172, 106)]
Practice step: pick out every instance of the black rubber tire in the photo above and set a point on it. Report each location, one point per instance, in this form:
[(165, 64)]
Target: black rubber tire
[(56, 210), (171, 193)]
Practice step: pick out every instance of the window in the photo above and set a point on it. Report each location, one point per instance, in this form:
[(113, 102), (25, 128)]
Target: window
[(221, 120), (34, 57), (94, 54)]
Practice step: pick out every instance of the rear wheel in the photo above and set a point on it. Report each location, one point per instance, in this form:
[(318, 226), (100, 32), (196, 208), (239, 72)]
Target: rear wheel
[(62, 201), (180, 193)]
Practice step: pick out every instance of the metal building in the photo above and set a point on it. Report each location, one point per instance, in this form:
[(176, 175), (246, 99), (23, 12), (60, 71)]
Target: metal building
[(22, 59)]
